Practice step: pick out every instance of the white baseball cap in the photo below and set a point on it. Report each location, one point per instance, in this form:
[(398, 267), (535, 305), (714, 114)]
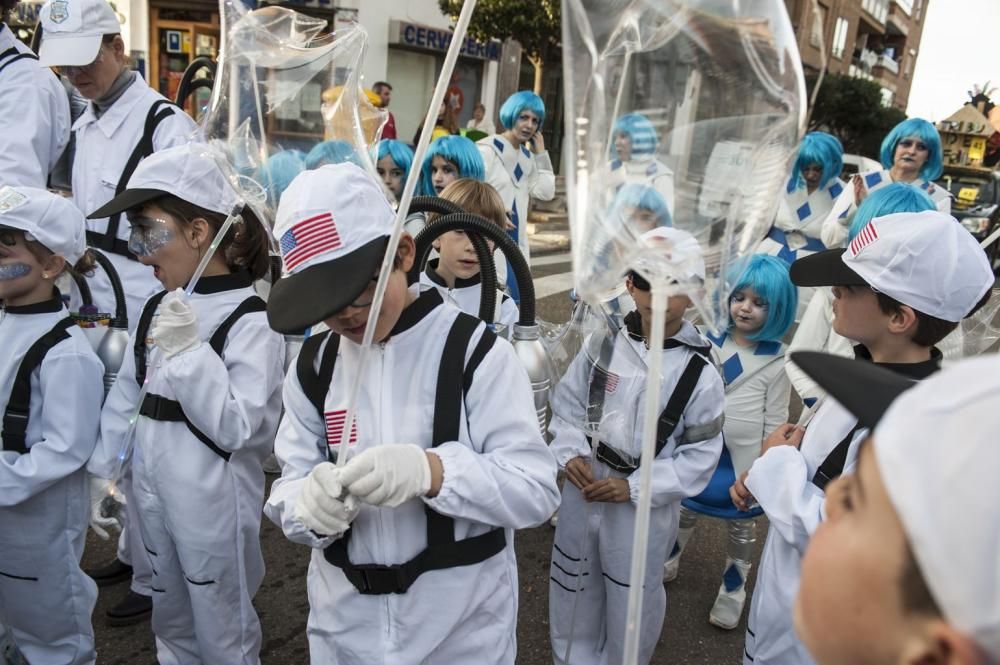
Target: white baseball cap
[(48, 218), (332, 226), (668, 253), (937, 451), (72, 31), (925, 260), (191, 172)]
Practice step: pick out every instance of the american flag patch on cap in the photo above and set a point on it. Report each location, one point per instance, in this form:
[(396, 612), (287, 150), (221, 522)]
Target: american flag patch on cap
[(865, 237), (308, 239), (335, 422)]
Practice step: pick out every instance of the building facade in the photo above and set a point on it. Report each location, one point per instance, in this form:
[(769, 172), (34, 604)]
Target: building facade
[(877, 40)]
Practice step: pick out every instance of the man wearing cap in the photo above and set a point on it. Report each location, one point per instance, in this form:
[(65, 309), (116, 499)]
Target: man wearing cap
[(125, 121), (902, 285), (34, 113), (925, 492), (412, 538)]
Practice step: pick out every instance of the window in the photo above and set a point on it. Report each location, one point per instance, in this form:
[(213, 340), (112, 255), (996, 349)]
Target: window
[(905, 5), (818, 25), (839, 37)]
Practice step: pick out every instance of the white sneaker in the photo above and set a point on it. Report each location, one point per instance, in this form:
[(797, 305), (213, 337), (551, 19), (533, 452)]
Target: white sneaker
[(728, 608), (670, 569)]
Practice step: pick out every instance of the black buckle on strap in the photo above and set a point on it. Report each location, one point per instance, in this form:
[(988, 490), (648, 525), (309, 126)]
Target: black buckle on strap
[(613, 459), (375, 580)]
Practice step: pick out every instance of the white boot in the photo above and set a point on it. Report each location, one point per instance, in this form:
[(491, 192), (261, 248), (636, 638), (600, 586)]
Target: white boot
[(673, 564), (732, 596)]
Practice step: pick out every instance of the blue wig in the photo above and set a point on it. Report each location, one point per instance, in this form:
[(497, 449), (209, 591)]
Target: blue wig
[(639, 131), (817, 148), (400, 153), (331, 152), (458, 150), (920, 129), (525, 100), (897, 197), (643, 197), (768, 277), (279, 171)]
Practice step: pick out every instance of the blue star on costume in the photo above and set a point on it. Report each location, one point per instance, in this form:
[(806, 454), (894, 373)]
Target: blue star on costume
[(732, 578), (718, 340), (872, 179), (518, 172), (804, 211), (617, 164), (787, 254), (499, 144), (767, 348), (652, 169), (835, 190), (732, 369)]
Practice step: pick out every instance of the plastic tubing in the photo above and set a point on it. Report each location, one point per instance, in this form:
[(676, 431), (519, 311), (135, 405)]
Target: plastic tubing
[(457, 40), (491, 231), (487, 269), (86, 296), (121, 310)]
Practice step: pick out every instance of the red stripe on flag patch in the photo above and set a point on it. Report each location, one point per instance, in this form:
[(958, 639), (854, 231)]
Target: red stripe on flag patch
[(309, 238), (612, 384), (865, 237), (335, 421)]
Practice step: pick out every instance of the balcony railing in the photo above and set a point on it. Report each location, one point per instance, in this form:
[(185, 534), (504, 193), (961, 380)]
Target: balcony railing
[(888, 63)]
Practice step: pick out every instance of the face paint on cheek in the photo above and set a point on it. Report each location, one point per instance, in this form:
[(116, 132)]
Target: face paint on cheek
[(11, 271)]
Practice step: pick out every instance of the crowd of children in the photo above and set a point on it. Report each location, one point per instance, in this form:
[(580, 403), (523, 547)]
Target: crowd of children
[(410, 511)]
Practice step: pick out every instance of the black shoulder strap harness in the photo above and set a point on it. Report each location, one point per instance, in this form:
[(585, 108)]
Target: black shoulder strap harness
[(12, 55), (160, 408), (109, 240), (454, 381), (833, 465), (15, 416), (669, 417)]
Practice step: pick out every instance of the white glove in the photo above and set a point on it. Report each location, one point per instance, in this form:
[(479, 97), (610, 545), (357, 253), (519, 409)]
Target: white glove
[(320, 506), (100, 519), (175, 329), (388, 475)]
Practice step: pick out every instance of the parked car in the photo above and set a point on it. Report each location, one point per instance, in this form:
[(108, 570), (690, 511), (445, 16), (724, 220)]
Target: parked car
[(976, 203)]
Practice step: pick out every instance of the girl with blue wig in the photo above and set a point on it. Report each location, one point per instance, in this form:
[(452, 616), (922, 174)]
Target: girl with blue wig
[(634, 159), (518, 166), (448, 159), (911, 153), (809, 197), (762, 307), (393, 166), (331, 152), (279, 171), (815, 331)]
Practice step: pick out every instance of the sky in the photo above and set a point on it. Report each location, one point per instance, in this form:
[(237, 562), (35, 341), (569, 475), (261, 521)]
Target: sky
[(958, 50)]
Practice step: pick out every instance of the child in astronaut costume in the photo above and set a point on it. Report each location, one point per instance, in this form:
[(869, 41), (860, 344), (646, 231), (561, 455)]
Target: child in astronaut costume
[(910, 153), (211, 411), (517, 172), (902, 285), (51, 389), (455, 273), (597, 514), (815, 331), (752, 358), (928, 592), (413, 558), (635, 162)]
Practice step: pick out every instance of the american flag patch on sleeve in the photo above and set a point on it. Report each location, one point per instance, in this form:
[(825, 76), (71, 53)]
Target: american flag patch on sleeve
[(865, 237), (335, 422)]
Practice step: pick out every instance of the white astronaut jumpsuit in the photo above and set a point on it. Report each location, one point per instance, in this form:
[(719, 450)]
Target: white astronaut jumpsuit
[(34, 116), (200, 514), (498, 474), (45, 599), (103, 147), (598, 543), (782, 482), (467, 295)]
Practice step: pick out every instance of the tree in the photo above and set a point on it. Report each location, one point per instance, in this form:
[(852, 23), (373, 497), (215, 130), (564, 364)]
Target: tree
[(851, 109), (535, 24)]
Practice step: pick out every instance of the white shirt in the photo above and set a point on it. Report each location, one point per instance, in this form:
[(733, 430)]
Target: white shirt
[(103, 146), (34, 117), (467, 294), (518, 175)]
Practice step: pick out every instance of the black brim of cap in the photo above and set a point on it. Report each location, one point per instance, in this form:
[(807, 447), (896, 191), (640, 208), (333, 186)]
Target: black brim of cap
[(863, 388), (127, 200), (825, 268), (304, 299)]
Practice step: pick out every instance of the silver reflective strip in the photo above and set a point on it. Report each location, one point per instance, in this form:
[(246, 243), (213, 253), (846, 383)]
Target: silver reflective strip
[(702, 432)]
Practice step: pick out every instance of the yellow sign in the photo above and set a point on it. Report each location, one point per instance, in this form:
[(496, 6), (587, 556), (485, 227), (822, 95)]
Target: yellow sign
[(977, 150), (968, 194)]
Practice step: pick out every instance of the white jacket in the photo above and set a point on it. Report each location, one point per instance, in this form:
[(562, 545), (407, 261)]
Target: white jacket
[(757, 391), (498, 474), (518, 175), (34, 117), (103, 146), (815, 333), (467, 295), (838, 222)]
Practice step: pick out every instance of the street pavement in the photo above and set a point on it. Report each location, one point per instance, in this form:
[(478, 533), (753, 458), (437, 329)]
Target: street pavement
[(687, 637)]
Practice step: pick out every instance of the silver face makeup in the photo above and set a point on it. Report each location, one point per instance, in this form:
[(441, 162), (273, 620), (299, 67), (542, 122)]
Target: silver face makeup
[(148, 235), (9, 271)]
